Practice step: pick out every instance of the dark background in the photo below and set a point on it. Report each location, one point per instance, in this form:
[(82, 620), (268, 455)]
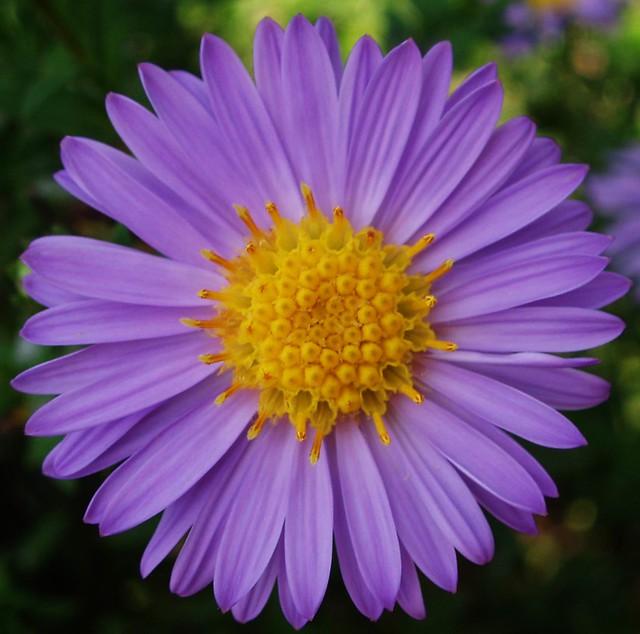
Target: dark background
[(58, 59)]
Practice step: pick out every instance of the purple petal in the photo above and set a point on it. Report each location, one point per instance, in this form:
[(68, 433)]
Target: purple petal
[(503, 406), (308, 532), (311, 109), (505, 442), (267, 60), (412, 507), (195, 565), (543, 153), (502, 152), (97, 363), (361, 596), (97, 321), (246, 126), (513, 517), (328, 35), (194, 128), (476, 80), (64, 179), (176, 520), (108, 271), (155, 147), (155, 476), (601, 291), (489, 261), (194, 85), (379, 139), (160, 418), (524, 359), (289, 609), (250, 606), (364, 59), (81, 448), (113, 179), (447, 497), (436, 78), (472, 453), (519, 284), (368, 514), (46, 293), (561, 388), (511, 209), (410, 594), (568, 217), (147, 381), (447, 155), (246, 546), (535, 329)]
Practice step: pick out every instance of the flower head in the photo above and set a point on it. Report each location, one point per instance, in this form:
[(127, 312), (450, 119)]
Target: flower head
[(348, 355), (534, 20), (616, 192)]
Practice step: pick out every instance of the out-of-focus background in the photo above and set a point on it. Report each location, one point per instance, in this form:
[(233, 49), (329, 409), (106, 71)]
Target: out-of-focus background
[(58, 59)]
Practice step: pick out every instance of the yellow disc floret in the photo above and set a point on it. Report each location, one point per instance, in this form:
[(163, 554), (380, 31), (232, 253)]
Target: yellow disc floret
[(324, 321)]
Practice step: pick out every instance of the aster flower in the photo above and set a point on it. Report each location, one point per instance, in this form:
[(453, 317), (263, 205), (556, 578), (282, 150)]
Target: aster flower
[(347, 355), (616, 192), (532, 21)]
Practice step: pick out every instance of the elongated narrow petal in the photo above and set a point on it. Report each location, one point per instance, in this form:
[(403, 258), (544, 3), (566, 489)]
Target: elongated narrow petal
[(170, 372), (368, 515), (247, 546), (504, 406), (128, 197), (203, 435), (106, 271), (379, 143), (308, 533), (98, 321), (311, 106)]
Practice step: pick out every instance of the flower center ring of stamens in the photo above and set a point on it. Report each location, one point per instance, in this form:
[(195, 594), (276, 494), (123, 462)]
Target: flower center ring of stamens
[(324, 321)]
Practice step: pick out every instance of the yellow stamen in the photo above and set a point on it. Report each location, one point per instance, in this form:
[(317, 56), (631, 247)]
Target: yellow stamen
[(421, 244), (317, 446), (301, 430), (412, 393), (381, 429), (447, 346), (203, 323), (273, 212), (210, 359), (430, 300), (256, 428), (445, 267), (246, 217), (217, 259), (217, 295), (230, 391), (309, 200)]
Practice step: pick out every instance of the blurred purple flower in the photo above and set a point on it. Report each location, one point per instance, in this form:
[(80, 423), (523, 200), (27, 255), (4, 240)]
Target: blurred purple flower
[(534, 21), (616, 192), (333, 326)]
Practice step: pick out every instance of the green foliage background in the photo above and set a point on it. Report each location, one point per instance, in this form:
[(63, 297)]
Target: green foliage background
[(58, 59)]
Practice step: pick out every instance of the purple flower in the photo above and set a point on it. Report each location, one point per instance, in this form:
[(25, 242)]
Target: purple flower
[(616, 192), (532, 21), (366, 391)]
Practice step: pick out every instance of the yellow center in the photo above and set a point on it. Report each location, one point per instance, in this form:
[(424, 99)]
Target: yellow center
[(322, 320)]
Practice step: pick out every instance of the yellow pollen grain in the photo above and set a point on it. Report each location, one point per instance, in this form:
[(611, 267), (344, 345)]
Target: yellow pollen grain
[(321, 320)]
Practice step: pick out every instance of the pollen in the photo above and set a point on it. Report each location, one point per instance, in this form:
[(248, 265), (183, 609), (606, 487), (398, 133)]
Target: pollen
[(322, 320)]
